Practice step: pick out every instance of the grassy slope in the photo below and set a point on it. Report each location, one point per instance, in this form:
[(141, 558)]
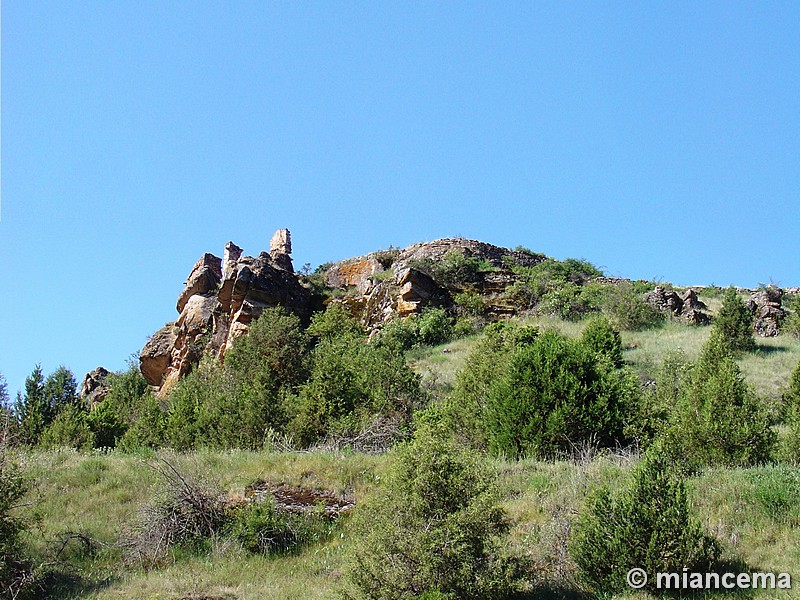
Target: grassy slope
[(754, 512)]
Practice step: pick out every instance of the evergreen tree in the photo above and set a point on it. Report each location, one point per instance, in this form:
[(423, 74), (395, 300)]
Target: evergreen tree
[(32, 410), (647, 525), (734, 323), (60, 391), (719, 418)]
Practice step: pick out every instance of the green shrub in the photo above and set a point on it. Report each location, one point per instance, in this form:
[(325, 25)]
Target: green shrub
[(234, 404), (627, 309), (566, 302), (791, 323), (351, 384), (601, 338), (69, 429), (470, 303), (791, 400), (465, 410), (261, 527), (658, 404), (121, 408), (734, 323), (106, 426), (557, 283), (433, 326), (647, 525), (387, 257), (455, 270), (556, 393), (16, 580), (719, 420), (271, 355), (435, 526), (334, 322), (148, 427)]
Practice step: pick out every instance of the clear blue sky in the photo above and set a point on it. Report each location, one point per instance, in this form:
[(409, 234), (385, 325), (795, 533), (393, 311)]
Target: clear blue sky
[(658, 140)]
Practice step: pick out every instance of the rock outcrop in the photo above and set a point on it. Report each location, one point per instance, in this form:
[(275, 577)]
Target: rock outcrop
[(95, 387), (359, 275), (666, 301), (693, 309), (687, 308), (397, 283), (221, 297), (768, 314)]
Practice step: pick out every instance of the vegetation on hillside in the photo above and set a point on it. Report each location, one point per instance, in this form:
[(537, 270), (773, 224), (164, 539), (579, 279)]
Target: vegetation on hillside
[(479, 466)]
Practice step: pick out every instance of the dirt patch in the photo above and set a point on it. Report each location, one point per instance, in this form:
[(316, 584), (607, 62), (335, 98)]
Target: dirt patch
[(298, 499)]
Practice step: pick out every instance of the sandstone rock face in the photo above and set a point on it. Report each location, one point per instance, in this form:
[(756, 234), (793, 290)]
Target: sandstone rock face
[(205, 277), (358, 274), (392, 283), (494, 255), (219, 301), (280, 247), (417, 291), (94, 388), (156, 356), (765, 304)]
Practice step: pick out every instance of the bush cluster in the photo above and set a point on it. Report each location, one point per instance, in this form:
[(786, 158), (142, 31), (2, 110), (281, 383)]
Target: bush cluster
[(455, 270), (433, 326), (648, 525), (524, 393), (791, 401), (733, 325), (555, 286), (308, 385), (189, 513), (434, 527)]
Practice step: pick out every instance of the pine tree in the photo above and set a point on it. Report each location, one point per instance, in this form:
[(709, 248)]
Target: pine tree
[(32, 409), (734, 323)]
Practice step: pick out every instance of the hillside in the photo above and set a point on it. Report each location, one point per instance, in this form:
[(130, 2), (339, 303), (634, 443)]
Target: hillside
[(275, 419)]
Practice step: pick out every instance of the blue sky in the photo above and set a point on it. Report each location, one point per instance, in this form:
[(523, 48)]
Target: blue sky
[(658, 140)]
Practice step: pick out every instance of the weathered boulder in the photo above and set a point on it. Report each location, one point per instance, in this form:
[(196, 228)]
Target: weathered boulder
[(666, 301), (205, 277), (156, 356), (95, 388), (691, 301), (693, 307), (768, 314), (416, 291)]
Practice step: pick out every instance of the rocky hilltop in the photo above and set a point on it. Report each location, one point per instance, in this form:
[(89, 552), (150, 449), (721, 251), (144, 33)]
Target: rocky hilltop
[(222, 296)]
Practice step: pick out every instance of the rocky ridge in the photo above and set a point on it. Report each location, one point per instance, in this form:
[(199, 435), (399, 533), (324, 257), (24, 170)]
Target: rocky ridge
[(222, 296)]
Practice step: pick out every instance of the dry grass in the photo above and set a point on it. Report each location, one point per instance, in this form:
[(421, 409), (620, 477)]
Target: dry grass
[(754, 512)]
